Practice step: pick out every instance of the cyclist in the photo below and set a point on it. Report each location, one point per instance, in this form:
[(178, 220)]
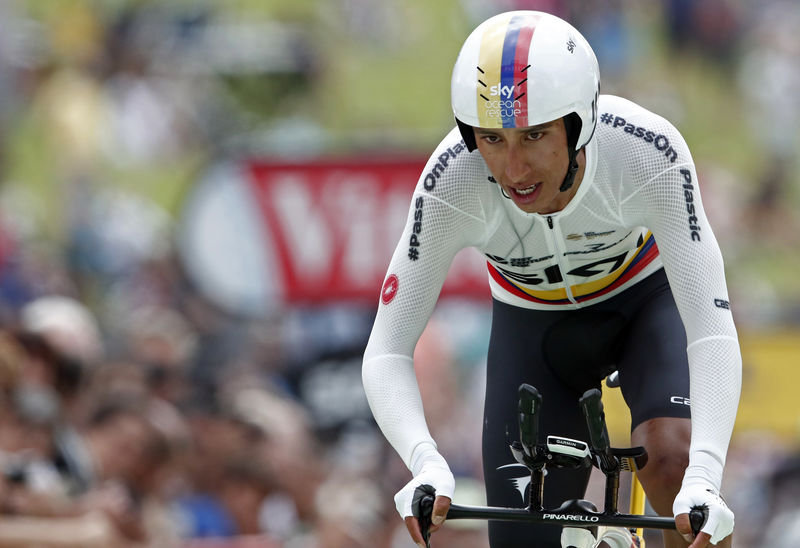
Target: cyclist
[(566, 192)]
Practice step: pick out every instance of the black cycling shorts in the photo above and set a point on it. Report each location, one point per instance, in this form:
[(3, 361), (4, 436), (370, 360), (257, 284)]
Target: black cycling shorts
[(563, 353)]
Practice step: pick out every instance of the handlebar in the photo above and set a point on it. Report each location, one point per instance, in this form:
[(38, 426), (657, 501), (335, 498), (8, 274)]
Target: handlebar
[(575, 513)]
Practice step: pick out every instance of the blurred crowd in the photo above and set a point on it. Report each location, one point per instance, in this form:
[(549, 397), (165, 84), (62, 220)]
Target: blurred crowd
[(136, 412)]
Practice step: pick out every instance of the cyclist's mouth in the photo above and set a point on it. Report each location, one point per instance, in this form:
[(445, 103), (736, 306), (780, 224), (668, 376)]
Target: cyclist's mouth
[(526, 195)]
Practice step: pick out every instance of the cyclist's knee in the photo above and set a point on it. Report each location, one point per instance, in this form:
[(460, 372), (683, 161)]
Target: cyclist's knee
[(667, 443), (662, 478)]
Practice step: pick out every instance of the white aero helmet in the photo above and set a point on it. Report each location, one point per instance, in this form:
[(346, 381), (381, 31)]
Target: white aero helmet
[(524, 68)]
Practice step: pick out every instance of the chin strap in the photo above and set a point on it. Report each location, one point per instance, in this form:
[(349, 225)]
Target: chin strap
[(572, 124), (569, 180), (467, 134)]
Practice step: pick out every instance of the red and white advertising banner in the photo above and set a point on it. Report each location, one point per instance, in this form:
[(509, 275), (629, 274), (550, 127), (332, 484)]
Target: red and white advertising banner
[(256, 236)]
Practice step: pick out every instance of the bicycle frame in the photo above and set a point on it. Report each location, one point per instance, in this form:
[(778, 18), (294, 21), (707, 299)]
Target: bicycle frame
[(638, 500), (536, 457)]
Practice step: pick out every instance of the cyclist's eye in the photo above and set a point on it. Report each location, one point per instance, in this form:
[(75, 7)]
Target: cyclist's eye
[(535, 135)]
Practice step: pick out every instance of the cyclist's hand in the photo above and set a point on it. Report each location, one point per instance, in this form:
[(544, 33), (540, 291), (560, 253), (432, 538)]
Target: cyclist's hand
[(719, 518), (436, 474)]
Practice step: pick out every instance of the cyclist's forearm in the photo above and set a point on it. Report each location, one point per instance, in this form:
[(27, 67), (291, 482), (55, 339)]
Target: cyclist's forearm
[(715, 366), (394, 397)]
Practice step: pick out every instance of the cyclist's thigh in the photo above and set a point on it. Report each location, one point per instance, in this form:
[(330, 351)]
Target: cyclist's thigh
[(516, 357), (654, 368)]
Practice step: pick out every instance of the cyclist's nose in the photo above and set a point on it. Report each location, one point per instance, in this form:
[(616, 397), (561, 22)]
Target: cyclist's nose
[(517, 168)]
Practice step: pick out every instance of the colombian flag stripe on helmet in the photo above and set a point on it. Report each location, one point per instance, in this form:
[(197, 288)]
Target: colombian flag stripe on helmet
[(520, 71), (508, 74), (502, 90), (489, 73)]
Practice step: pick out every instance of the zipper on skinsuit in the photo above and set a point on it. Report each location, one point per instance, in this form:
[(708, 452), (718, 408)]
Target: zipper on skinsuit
[(555, 240)]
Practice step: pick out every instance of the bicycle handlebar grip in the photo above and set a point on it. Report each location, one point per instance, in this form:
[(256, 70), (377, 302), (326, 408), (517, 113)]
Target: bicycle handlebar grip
[(530, 403), (697, 517), (422, 508)]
